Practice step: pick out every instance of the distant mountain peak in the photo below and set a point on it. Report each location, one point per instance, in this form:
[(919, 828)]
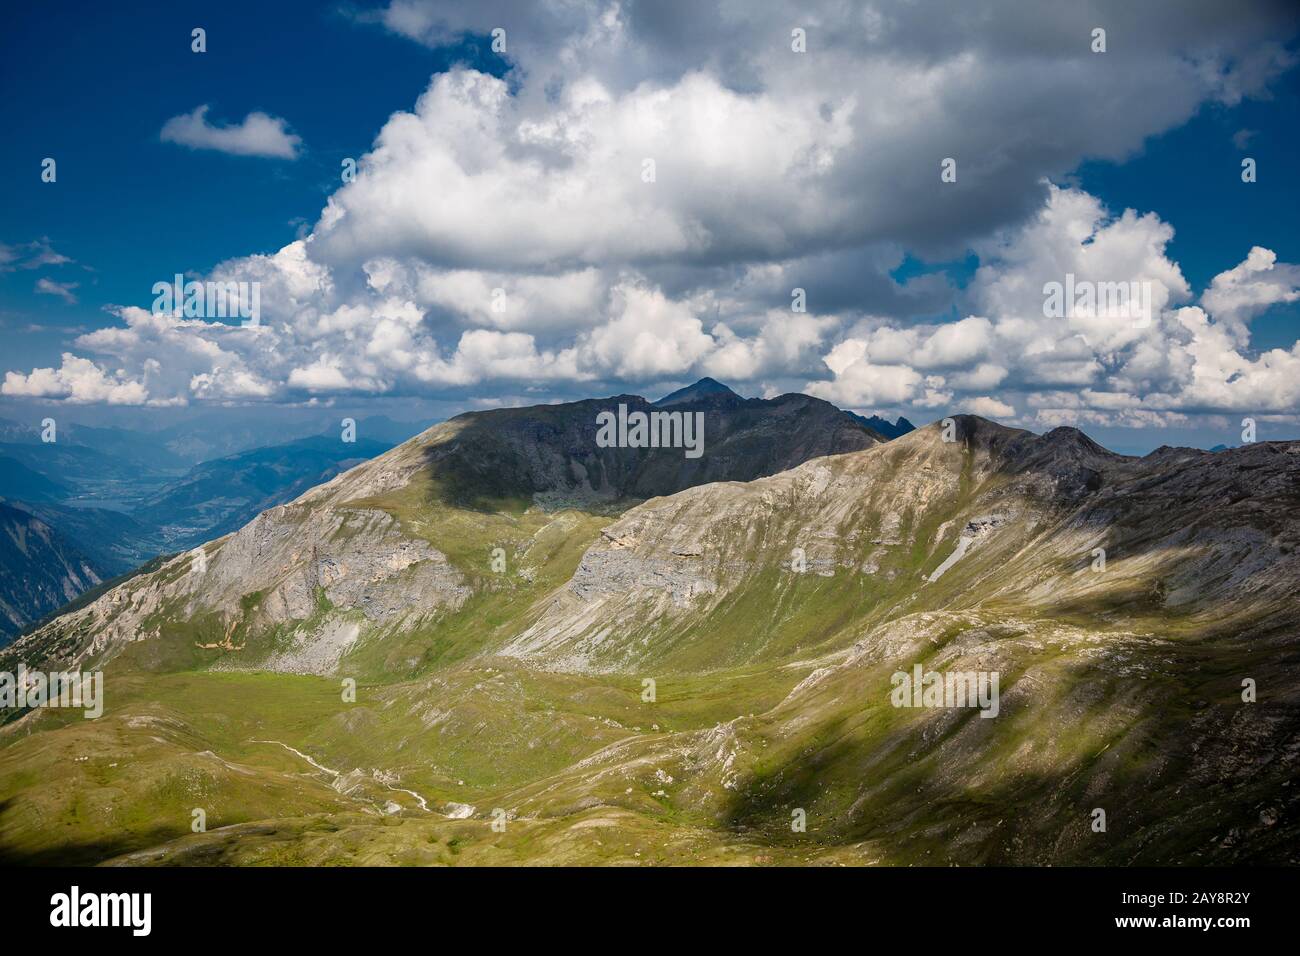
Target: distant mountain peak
[(701, 389), (883, 427)]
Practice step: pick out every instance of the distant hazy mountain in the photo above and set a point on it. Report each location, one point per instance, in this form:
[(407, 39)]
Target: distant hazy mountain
[(125, 446), (91, 476), (882, 425), (200, 436), (220, 496), (212, 435), (40, 570), (19, 481), (381, 428), (113, 541)]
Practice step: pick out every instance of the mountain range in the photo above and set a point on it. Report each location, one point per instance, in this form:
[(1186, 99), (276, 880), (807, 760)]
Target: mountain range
[(500, 642)]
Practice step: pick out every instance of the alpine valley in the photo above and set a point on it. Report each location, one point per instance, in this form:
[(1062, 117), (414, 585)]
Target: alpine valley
[(502, 642)]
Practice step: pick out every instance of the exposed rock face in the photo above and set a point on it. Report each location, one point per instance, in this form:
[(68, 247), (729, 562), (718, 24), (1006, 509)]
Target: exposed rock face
[(290, 564), (616, 572), (974, 530), (358, 559), (39, 570)]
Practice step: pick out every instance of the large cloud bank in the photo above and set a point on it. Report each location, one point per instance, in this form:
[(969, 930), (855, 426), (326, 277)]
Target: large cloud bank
[(637, 200)]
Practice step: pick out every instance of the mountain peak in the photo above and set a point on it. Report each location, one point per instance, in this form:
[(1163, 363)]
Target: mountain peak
[(883, 427), (704, 388)]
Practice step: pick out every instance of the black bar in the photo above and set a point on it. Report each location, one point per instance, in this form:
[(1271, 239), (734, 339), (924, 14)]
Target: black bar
[(339, 905)]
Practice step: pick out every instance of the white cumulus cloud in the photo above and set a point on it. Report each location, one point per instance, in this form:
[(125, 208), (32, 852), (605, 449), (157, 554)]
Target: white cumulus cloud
[(256, 135), (638, 199)]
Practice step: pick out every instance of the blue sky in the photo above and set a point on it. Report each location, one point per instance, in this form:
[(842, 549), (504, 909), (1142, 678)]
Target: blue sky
[(93, 86), (1192, 176)]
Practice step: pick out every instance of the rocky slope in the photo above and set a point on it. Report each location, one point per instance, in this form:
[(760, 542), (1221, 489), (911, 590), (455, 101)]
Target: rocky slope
[(997, 516), (671, 679), (40, 570)]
